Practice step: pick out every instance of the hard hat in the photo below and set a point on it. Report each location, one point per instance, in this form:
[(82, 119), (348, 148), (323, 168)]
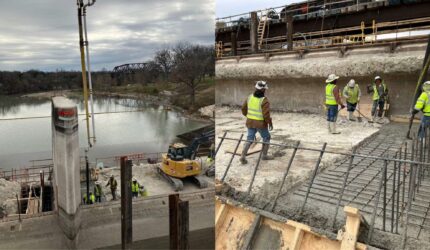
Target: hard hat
[(378, 78), (426, 86), (351, 83), (261, 85), (134, 179), (331, 78), (97, 182)]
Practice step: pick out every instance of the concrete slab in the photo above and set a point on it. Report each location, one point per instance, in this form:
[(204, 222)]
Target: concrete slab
[(311, 130)]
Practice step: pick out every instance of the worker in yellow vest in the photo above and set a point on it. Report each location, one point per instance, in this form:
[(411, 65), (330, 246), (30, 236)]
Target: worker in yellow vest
[(256, 108), (135, 188), (379, 97), (332, 102), (352, 94), (92, 199), (423, 104)]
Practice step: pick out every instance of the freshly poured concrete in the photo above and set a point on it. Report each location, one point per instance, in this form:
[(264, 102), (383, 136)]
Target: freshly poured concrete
[(311, 130)]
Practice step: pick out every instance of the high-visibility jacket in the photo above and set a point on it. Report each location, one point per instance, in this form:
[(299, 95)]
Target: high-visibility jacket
[(353, 94), (92, 199), (329, 95), (423, 103), (98, 190), (255, 112), (375, 91), (134, 187)]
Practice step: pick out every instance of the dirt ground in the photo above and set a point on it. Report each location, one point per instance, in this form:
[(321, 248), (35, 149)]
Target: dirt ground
[(309, 129), (147, 175)]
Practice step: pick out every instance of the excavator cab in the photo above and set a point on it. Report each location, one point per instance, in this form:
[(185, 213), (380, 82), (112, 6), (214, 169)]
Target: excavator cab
[(177, 151)]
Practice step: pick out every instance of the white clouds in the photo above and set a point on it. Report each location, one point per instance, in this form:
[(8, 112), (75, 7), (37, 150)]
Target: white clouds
[(43, 34)]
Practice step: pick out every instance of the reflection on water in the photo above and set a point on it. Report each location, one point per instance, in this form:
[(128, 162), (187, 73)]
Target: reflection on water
[(149, 130)]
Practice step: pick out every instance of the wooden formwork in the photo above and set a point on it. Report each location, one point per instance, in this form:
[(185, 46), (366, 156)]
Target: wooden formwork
[(238, 227)]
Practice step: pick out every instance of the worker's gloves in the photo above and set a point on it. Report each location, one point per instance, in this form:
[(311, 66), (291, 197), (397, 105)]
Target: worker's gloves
[(414, 112), (342, 106), (270, 127), (346, 96)]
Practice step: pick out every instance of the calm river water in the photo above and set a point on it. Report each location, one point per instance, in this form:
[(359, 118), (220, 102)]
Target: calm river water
[(150, 130)]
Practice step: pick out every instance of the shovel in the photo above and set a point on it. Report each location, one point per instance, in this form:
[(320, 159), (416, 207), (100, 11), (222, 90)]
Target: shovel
[(368, 120), (359, 118)]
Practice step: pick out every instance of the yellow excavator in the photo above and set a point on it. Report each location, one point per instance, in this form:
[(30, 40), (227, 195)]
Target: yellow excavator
[(180, 162)]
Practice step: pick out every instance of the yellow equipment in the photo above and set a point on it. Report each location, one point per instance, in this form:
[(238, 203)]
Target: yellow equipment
[(180, 162)]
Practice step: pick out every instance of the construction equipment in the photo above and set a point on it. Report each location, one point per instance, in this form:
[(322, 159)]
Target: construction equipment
[(180, 162)]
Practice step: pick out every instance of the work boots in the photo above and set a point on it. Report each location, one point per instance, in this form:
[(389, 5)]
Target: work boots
[(333, 128), (351, 116), (244, 153), (265, 156)]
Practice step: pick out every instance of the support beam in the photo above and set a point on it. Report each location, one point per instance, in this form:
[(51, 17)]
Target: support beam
[(179, 222), (233, 43), (126, 204), (254, 32), (289, 33)]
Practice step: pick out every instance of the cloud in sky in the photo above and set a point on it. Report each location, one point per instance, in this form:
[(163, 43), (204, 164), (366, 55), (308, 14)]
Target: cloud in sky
[(44, 35)]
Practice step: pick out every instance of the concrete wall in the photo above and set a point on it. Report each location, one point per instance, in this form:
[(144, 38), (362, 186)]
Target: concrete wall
[(297, 83), (100, 225)]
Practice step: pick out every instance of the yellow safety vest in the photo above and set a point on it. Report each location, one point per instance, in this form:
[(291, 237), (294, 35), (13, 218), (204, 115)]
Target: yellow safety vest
[(423, 103), (134, 187), (255, 112), (352, 93), (329, 96), (375, 91)]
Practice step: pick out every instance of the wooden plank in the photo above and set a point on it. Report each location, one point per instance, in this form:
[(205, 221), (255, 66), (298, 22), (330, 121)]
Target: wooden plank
[(352, 226), (253, 229)]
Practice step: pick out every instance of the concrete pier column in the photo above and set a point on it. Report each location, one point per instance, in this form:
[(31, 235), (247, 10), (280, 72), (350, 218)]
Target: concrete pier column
[(254, 32), (65, 155)]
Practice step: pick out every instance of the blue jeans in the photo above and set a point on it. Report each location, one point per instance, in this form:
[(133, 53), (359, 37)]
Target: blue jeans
[(332, 113), (425, 123), (264, 132), (378, 105)]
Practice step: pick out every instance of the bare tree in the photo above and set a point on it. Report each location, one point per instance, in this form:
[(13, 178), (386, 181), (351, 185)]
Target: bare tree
[(164, 58), (191, 64)]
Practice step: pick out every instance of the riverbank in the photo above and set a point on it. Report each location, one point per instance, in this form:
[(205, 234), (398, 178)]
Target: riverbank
[(171, 96)]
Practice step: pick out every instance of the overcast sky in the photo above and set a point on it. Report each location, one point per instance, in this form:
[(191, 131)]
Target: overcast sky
[(43, 34)]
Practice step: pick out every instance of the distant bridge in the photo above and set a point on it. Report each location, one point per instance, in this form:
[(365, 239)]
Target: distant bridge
[(130, 68)]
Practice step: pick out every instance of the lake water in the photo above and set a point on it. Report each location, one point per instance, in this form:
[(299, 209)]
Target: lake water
[(149, 130)]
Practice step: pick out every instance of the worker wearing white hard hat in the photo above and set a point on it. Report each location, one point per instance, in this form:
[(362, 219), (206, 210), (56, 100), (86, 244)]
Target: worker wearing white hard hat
[(332, 102), (352, 94), (423, 105), (256, 108), (379, 92)]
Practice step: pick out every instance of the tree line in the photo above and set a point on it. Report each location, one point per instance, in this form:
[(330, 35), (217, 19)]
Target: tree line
[(185, 63)]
